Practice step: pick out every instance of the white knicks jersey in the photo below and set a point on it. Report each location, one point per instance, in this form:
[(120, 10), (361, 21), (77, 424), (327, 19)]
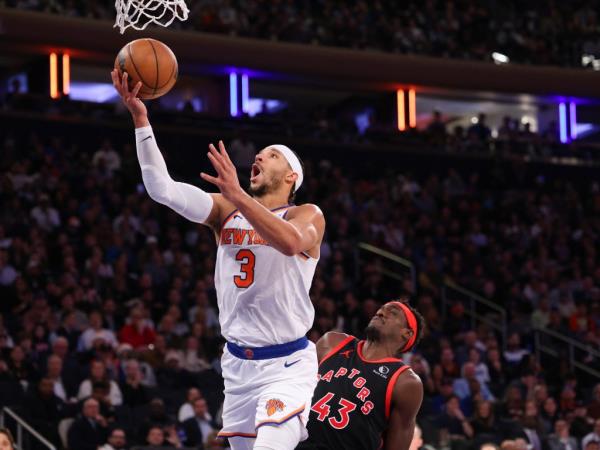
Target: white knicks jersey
[(262, 293)]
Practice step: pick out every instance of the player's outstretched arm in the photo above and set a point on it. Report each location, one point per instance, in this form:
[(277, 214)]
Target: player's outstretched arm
[(303, 229), (191, 202), (406, 402)]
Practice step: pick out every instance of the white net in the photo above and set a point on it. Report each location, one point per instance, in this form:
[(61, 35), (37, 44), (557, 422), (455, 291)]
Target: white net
[(138, 14)]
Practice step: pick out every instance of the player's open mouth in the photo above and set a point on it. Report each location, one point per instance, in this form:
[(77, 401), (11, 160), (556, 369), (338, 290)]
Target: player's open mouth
[(256, 171)]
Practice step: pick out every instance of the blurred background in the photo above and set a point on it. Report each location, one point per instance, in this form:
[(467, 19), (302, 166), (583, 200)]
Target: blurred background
[(452, 145)]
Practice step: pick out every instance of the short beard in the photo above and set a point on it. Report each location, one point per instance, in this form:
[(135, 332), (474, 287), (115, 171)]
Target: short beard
[(259, 191), (373, 334), (266, 188)]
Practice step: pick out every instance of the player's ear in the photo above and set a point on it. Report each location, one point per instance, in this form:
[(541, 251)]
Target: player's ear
[(292, 176), (407, 333)]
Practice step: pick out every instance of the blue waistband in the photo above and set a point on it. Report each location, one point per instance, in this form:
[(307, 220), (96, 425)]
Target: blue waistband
[(272, 351)]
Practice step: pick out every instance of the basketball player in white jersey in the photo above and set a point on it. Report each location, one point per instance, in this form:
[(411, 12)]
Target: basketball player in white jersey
[(266, 258)]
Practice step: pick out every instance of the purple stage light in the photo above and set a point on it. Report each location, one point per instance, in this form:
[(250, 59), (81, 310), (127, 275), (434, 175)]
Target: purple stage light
[(573, 119), (562, 117), (245, 93), (233, 95)]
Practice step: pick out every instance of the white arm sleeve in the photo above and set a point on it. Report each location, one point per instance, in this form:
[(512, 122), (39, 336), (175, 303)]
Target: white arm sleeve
[(190, 201)]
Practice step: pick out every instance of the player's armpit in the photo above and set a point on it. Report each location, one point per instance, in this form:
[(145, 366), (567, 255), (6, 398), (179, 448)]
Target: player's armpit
[(220, 210), (406, 402), (310, 223)]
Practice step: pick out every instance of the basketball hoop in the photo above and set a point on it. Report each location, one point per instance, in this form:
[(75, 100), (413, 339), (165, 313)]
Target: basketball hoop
[(138, 14)]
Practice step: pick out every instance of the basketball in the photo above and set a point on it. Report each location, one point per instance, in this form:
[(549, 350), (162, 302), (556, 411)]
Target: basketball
[(151, 62)]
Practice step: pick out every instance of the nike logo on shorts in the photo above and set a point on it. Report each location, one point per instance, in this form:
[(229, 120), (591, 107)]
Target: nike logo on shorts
[(287, 364), (145, 139)]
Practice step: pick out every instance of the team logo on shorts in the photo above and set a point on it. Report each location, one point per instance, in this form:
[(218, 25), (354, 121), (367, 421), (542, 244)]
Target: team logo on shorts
[(274, 405)]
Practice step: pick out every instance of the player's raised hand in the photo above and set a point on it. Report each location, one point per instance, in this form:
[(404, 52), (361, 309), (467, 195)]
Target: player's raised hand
[(227, 179), (129, 96)]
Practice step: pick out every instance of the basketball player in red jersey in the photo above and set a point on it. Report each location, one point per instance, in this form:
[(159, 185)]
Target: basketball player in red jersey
[(367, 398)]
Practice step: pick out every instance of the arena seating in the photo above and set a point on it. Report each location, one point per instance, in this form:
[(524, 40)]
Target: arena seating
[(534, 32), (105, 291)]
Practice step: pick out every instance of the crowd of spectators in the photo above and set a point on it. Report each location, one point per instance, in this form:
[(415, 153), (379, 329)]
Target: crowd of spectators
[(338, 124), (531, 32), (108, 320)]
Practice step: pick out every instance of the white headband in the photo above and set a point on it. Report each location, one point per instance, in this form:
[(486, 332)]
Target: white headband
[(293, 161)]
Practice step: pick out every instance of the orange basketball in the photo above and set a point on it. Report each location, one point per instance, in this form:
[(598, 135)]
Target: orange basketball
[(151, 62)]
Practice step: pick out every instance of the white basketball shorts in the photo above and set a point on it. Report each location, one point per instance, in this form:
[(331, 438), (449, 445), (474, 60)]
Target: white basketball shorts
[(267, 392)]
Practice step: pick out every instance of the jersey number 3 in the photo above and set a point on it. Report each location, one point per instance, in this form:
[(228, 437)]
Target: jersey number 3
[(322, 409), (248, 259)]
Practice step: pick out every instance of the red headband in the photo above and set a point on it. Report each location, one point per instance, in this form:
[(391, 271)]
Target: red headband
[(411, 321)]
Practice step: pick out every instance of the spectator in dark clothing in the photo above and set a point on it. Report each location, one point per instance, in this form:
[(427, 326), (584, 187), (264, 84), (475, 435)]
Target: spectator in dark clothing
[(513, 404), (71, 374), (454, 421), (54, 371), (172, 375), (159, 438), (437, 129), (484, 423), (89, 431), (198, 428), (549, 415), (581, 423), (480, 130), (100, 392), (594, 406), (157, 416), (45, 410), (117, 440), (19, 365), (561, 439), (134, 392), (530, 426), (439, 400), (69, 329)]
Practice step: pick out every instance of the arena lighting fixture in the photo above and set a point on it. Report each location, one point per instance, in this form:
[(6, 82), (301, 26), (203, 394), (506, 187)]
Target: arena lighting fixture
[(233, 98), (400, 108), (245, 93), (92, 92), (412, 108), (66, 73), (562, 118), (573, 119), (53, 75), (590, 60), (500, 58)]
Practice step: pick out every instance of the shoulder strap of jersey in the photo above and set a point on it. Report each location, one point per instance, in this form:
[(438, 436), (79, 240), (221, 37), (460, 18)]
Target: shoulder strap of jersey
[(337, 348), (390, 389), (229, 217), (235, 212)]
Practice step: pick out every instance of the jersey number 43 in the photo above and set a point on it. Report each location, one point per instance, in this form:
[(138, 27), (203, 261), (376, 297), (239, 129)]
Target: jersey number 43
[(322, 409)]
